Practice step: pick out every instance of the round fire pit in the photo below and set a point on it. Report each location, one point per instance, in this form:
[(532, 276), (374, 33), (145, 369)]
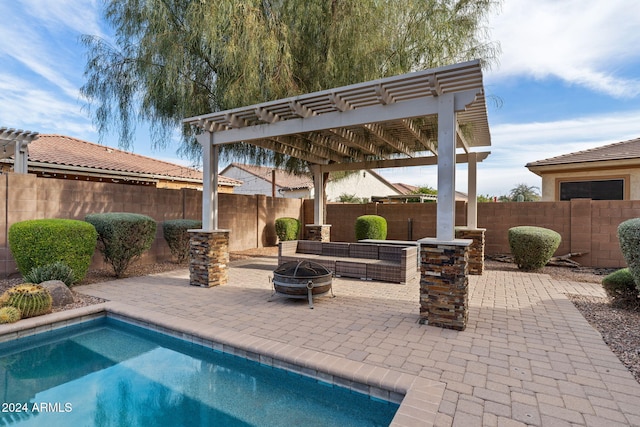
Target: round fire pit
[(302, 279)]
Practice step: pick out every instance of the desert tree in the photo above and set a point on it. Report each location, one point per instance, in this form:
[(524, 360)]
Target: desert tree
[(171, 59)]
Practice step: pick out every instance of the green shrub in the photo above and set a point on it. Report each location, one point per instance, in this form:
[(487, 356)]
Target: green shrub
[(532, 247), (122, 237), (40, 242), (175, 233), (629, 238), (56, 271), (621, 289), (371, 227), (32, 300), (287, 229)]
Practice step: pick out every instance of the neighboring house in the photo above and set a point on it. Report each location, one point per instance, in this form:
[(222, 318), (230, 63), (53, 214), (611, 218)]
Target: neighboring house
[(64, 157), (609, 172), (407, 190), (259, 180)]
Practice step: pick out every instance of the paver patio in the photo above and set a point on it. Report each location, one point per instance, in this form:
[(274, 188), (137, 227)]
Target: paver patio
[(527, 357)]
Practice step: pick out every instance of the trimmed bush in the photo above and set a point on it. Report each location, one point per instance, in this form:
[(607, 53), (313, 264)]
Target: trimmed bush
[(175, 233), (40, 242), (621, 289), (122, 237), (287, 229), (532, 247), (371, 227), (56, 271), (629, 238)]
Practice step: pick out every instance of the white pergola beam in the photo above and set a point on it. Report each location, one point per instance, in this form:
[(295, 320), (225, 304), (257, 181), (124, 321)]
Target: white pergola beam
[(344, 119), (398, 163)]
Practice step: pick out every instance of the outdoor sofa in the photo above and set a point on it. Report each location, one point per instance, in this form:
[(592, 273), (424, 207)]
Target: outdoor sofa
[(366, 261)]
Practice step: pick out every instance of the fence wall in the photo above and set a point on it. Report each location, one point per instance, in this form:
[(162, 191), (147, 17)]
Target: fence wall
[(25, 196), (586, 226)]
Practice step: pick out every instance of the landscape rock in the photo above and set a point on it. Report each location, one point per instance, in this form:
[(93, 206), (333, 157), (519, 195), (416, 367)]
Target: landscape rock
[(60, 293)]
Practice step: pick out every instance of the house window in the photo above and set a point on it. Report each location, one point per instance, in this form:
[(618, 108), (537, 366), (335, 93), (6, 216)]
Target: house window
[(609, 189)]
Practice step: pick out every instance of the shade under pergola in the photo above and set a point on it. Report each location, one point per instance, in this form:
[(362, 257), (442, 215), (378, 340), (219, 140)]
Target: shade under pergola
[(430, 117)]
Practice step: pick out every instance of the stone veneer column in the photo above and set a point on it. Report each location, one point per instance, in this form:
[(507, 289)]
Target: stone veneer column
[(318, 233), (444, 283), (476, 249), (208, 257)]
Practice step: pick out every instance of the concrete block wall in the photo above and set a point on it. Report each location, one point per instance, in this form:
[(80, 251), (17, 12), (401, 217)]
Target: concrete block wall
[(586, 226), (25, 196)]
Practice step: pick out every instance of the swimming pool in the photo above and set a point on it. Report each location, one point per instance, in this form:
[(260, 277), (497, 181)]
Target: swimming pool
[(109, 373)]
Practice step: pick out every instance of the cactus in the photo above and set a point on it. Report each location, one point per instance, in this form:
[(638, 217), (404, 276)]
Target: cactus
[(32, 300), (9, 314)]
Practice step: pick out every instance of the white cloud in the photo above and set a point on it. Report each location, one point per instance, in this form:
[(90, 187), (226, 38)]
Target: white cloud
[(80, 16), (515, 145), (23, 105), (53, 51), (584, 42)]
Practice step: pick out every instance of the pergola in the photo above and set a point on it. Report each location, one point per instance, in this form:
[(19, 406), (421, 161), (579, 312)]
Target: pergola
[(15, 142), (414, 119), (430, 117)]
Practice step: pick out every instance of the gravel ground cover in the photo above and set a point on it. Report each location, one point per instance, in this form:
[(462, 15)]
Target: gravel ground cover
[(619, 328)]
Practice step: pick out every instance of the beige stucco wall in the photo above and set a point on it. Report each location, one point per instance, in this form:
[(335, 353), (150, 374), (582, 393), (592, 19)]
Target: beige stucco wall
[(25, 196), (550, 180)]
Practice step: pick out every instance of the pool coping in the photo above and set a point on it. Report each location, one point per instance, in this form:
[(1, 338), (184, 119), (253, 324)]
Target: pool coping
[(419, 398)]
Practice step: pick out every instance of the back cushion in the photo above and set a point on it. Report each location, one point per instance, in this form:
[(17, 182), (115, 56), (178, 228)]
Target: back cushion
[(309, 247), (363, 250), (390, 253), (335, 249)]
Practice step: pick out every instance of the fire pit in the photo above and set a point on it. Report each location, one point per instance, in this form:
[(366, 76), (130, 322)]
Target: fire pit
[(302, 279)]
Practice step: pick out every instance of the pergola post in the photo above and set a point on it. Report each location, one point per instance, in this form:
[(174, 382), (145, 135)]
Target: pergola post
[(209, 246), (471, 231), (318, 231), (444, 282), (446, 210)]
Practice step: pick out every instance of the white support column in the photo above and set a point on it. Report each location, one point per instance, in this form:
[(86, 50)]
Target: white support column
[(472, 204), (20, 156), (318, 196), (446, 211), (210, 182)]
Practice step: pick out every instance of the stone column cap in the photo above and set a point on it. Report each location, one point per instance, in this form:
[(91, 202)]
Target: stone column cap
[(318, 225), (454, 242), (463, 227), (208, 231)]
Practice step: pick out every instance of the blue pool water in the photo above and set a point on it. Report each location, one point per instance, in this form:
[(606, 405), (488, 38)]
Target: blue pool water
[(109, 373)]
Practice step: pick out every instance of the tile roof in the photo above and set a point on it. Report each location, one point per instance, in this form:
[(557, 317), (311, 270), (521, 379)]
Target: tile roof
[(405, 188), (284, 179), (618, 151), (68, 151)]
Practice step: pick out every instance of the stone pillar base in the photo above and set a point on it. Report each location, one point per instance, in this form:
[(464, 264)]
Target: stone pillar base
[(444, 283), (208, 257), (318, 233), (476, 249)]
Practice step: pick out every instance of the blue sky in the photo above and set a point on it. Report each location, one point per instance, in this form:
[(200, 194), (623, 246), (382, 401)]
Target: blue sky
[(568, 80)]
